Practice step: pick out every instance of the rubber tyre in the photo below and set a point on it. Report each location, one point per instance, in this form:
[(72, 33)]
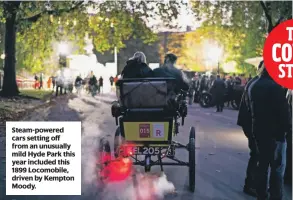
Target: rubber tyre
[(118, 140), (104, 146), (205, 100), (191, 150)]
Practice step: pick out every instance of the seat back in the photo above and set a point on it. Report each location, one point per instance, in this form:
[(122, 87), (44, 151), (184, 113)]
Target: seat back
[(145, 93)]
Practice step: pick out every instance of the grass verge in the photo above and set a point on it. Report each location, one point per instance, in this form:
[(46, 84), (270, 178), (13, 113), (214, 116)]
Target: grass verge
[(36, 94), (15, 107)]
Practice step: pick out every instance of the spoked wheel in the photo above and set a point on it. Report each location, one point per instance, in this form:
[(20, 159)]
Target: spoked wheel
[(191, 149), (104, 158), (118, 141), (205, 100)]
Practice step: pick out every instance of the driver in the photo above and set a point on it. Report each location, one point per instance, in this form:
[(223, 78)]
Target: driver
[(169, 70)]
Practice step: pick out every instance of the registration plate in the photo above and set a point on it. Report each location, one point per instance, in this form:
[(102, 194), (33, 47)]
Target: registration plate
[(137, 150)]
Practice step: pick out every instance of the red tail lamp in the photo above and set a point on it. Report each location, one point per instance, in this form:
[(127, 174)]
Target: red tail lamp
[(117, 170)]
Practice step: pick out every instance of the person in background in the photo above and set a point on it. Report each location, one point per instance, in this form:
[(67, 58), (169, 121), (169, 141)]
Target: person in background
[(101, 84), (229, 86), (53, 81), (36, 81), (218, 89), (136, 67), (49, 82), (245, 121), (237, 80), (78, 84), (111, 79), (270, 124), (93, 83), (41, 81)]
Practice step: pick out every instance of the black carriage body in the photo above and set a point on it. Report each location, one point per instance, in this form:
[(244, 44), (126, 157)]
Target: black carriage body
[(146, 101)]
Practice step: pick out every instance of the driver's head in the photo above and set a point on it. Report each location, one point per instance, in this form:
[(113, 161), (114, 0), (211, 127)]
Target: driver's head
[(170, 58), (139, 56)]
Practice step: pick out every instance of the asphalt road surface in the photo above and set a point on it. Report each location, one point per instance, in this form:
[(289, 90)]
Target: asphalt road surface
[(221, 151)]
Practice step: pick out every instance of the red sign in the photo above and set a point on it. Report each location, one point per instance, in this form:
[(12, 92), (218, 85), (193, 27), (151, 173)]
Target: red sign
[(278, 54), (144, 130)]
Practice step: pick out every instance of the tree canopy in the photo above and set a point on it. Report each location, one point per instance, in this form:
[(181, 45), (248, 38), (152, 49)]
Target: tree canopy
[(240, 26), (40, 25), (108, 24)]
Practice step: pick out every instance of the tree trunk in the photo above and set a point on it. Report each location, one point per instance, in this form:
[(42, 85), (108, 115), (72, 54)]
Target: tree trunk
[(9, 83)]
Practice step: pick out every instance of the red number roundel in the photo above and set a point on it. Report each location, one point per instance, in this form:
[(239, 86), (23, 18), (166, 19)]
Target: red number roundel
[(278, 54)]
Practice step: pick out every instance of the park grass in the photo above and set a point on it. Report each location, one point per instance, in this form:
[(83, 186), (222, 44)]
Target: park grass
[(36, 94), (15, 107)]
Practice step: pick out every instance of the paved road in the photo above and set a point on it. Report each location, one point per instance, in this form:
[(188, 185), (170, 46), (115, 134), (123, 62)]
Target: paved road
[(221, 155)]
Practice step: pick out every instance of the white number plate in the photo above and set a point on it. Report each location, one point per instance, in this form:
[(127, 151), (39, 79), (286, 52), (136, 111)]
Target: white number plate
[(136, 150)]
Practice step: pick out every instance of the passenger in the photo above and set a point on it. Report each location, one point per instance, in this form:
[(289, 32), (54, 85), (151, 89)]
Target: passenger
[(168, 69), (245, 121), (136, 67)]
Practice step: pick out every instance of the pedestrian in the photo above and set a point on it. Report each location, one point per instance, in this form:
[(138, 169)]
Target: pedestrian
[(36, 81), (245, 121), (269, 111), (229, 87), (49, 82), (53, 81), (78, 84), (93, 87), (218, 90), (41, 81), (101, 84), (111, 79)]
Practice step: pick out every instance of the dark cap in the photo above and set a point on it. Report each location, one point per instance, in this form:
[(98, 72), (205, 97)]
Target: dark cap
[(171, 57)]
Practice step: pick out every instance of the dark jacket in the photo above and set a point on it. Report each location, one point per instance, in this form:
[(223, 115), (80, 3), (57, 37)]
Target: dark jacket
[(78, 80), (218, 88), (93, 80), (244, 116), (270, 110), (173, 72), (101, 82), (135, 69)]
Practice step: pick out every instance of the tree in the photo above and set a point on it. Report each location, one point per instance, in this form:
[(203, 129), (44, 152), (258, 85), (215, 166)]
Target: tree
[(247, 18), (25, 22)]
